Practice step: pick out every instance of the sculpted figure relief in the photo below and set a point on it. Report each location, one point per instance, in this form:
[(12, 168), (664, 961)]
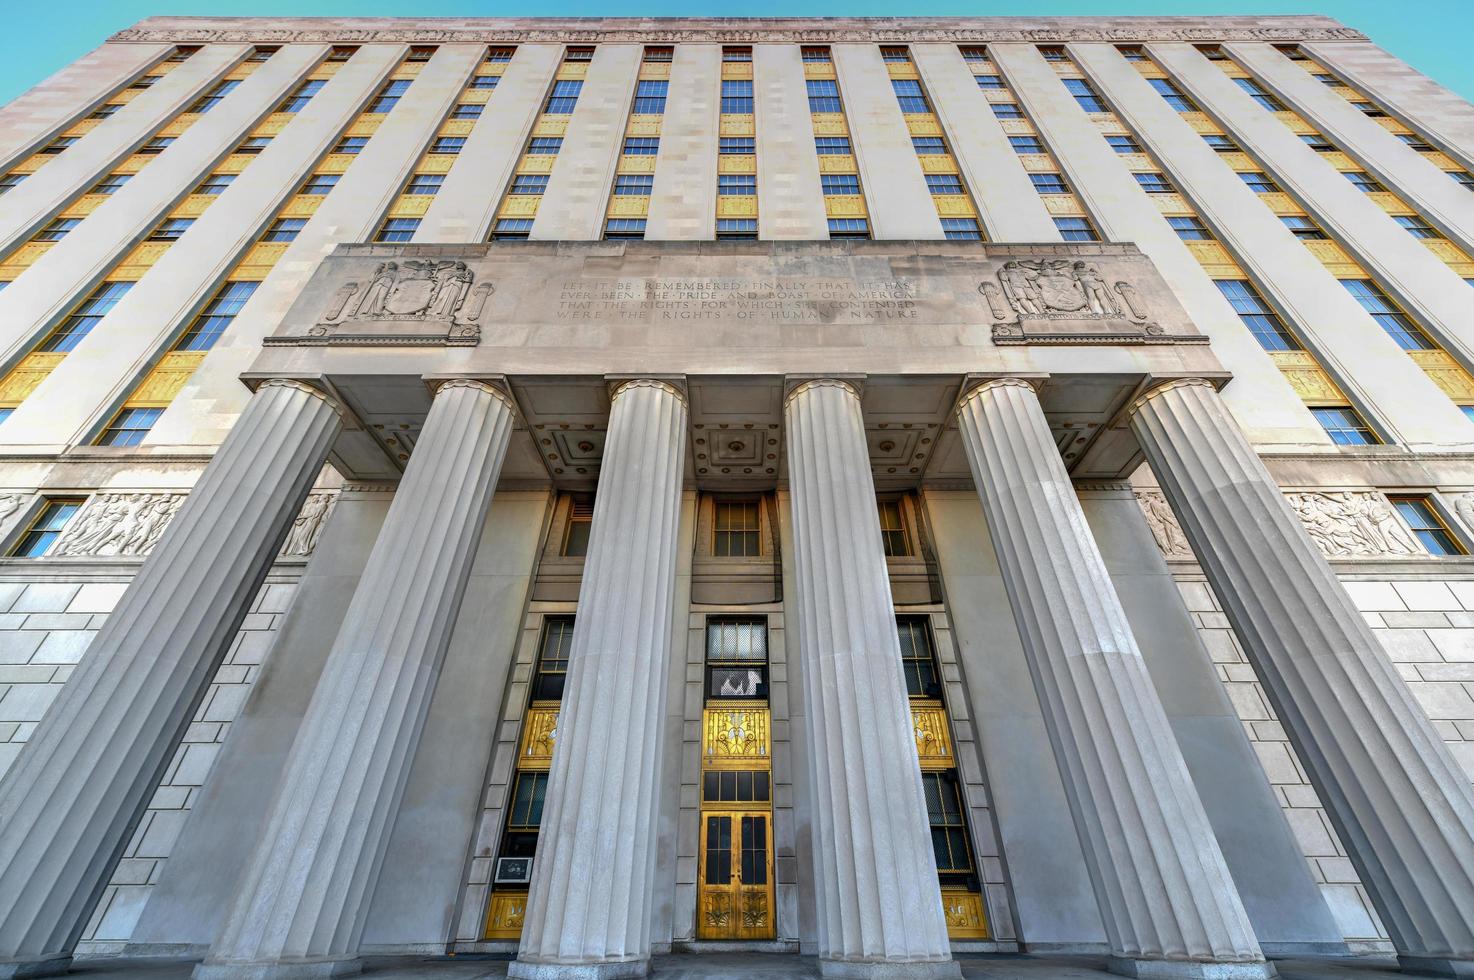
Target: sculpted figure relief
[(1163, 523), (119, 525), (9, 504), (409, 289), (1059, 287), (1353, 524), (1463, 507), (307, 527)]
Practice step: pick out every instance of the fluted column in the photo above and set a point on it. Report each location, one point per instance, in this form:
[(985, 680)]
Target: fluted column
[(588, 910), (77, 790), (879, 904), (1401, 805), (302, 901), (1169, 906)]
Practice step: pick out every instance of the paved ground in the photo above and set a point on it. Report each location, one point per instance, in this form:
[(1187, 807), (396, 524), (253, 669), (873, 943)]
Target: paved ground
[(741, 966)]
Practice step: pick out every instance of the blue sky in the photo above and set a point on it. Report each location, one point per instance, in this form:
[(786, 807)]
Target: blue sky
[(41, 37)]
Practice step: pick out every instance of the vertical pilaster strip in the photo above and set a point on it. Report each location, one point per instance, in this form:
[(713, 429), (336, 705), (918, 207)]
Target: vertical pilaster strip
[(304, 896), (1163, 888), (683, 203), (70, 802), (879, 905), (588, 910), (790, 200), (1399, 802)]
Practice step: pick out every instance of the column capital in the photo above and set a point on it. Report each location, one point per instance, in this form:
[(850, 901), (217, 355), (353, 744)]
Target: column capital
[(476, 383), (811, 384), (1161, 388), (306, 388), (624, 386), (976, 388)]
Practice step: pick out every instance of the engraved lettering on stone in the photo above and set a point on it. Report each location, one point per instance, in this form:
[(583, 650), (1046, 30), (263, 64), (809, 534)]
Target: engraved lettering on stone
[(1132, 299), (119, 525), (994, 296), (308, 525), (1351, 524), (340, 300), (1163, 523)]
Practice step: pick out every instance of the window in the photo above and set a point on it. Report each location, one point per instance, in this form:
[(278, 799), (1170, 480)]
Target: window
[(112, 182), (1155, 183), (1416, 226), (262, 54), (546, 146), (218, 314), (839, 183), (1303, 228), (740, 786), (634, 184), (319, 184), (1123, 144), (1399, 326), (895, 55), (526, 812), (1220, 143), (213, 184), (497, 56), (157, 145), (420, 54), (1259, 182), (962, 229), (823, 95), (624, 228), (737, 54), (129, 427), (255, 144), (484, 81), (737, 228), (397, 230), (1172, 94), (737, 96), (1363, 181), (425, 184), (1132, 52), (467, 110), (1026, 144), (1007, 110), (579, 54), (56, 230), (580, 526), (989, 82), (1256, 92), (1317, 142), (738, 145), (918, 662), (893, 535), (1086, 96), (284, 229), (736, 658), (181, 54), (340, 54), (948, 827), (565, 96), (1292, 52), (1345, 426), (849, 228), (80, 321), (974, 54), (552, 658), (213, 97), (351, 145), (47, 527), (105, 110), (1416, 142), (1369, 110), (736, 529), (1049, 183), (388, 96), (1190, 228), (511, 229), (1075, 230), (833, 146), (10, 182), (448, 145), (1462, 177), (928, 145), (1053, 53), (146, 81), (1261, 319), (650, 97), (298, 100), (736, 184), (909, 94), (944, 183), (1423, 521), (659, 55), (813, 56), (641, 146), (1328, 80), (529, 184), (169, 230)]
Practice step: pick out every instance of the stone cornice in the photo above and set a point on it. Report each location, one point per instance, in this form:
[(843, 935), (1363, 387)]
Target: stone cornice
[(817, 30)]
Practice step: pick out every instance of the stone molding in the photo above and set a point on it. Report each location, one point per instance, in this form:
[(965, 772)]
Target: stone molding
[(309, 389), (665, 386), (733, 30), (821, 383), (480, 385), (1161, 389), (983, 387)]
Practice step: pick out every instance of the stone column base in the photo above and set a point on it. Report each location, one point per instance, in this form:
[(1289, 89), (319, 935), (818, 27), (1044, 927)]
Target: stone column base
[(289, 970), (1435, 966), (890, 970), (51, 966), (1190, 969), (608, 970)]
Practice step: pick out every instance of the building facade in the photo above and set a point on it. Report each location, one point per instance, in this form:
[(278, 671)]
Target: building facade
[(875, 488)]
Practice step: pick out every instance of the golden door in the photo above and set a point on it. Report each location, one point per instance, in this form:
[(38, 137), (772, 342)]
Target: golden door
[(734, 896)]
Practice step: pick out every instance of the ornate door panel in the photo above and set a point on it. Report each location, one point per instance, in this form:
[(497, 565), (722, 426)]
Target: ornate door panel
[(735, 884)]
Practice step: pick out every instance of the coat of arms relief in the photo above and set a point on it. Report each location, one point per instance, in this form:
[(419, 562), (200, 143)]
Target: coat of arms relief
[(1034, 292), (441, 293)]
